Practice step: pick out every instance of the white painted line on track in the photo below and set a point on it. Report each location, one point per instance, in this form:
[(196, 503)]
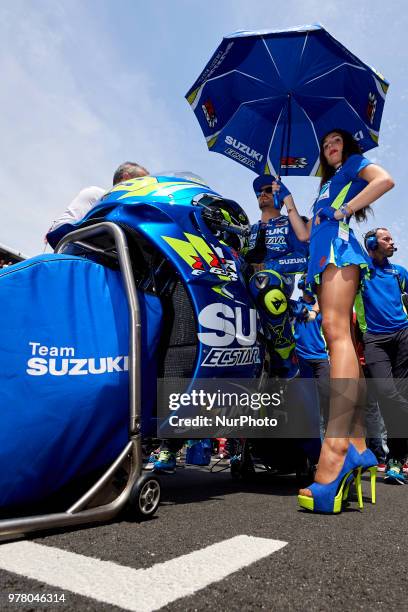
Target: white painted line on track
[(140, 590)]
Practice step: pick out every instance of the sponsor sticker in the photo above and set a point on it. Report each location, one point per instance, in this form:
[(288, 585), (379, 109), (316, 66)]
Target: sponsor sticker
[(243, 148), (293, 162), (209, 113), (232, 357), (324, 192), (62, 361), (203, 258), (371, 107), (226, 325)]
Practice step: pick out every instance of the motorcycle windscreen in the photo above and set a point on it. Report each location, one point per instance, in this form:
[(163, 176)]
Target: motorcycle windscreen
[(64, 396)]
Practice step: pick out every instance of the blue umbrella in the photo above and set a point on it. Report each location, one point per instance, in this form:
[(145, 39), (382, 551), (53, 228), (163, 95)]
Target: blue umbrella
[(265, 99)]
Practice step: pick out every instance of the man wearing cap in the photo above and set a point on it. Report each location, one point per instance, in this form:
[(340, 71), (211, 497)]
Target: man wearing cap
[(273, 242), (278, 256)]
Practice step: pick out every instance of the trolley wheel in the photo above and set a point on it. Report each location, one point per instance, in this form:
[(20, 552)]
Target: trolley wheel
[(144, 497)]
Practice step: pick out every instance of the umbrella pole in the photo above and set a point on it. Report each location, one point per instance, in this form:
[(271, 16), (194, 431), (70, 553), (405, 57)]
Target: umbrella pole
[(289, 123), (285, 136)]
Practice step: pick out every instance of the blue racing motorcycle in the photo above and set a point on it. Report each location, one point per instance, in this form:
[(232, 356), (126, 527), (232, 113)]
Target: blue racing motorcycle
[(144, 287), (149, 285)]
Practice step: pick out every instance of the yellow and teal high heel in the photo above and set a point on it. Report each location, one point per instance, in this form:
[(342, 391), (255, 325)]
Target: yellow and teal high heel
[(328, 498), (368, 463), (356, 479)]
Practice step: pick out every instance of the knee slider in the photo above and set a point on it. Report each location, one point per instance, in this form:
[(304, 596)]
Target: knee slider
[(267, 289)]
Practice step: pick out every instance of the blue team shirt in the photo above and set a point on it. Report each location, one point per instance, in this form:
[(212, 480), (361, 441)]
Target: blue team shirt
[(341, 188), (379, 304), (310, 343), (284, 252)]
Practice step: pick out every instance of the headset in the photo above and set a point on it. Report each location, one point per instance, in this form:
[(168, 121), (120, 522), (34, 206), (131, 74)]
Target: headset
[(370, 240)]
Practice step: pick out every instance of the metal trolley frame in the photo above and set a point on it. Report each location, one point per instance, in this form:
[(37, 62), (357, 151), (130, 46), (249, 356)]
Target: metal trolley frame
[(141, 491)]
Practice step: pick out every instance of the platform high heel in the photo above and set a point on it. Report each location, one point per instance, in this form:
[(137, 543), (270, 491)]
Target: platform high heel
[(328, 498), (368, 463), (356, 479)]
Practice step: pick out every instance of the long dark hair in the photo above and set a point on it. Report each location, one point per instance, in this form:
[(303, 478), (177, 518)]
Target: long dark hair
[(350, 147)]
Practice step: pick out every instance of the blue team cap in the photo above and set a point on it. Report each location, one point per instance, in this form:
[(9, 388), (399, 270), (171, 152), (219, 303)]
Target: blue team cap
[(261, 180)]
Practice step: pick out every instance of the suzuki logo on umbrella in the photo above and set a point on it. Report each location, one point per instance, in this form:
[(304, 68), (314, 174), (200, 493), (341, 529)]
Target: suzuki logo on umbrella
[(240, 146), (371, 106), (293, 162), (283, 111), (209, 113)]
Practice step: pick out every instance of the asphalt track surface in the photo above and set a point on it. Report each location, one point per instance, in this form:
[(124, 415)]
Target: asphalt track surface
[(352, 561)]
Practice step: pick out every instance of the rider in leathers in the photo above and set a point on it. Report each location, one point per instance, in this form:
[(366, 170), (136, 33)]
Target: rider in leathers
[(277, 256)]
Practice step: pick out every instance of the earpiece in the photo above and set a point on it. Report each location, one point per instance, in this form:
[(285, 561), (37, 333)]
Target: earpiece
[(372, 243), (370, 240)]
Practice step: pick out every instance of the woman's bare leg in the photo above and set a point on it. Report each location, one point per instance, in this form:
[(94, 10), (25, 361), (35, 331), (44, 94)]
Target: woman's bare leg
[(358, 430), (336, 299)]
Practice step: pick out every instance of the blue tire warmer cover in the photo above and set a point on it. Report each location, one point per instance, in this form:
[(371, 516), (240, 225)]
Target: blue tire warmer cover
[(64, 396)]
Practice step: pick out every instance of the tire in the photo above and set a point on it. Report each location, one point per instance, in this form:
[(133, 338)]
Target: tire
[(144, 497)]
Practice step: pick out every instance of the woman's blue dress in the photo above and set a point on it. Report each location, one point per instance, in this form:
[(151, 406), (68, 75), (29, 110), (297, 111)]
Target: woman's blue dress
[(327, 246)]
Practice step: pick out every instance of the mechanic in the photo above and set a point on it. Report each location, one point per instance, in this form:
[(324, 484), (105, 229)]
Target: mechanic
[(86, 199), (382, 318)]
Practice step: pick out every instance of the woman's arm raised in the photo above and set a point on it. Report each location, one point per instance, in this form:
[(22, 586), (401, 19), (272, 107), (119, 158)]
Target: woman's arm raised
[(300, 227)]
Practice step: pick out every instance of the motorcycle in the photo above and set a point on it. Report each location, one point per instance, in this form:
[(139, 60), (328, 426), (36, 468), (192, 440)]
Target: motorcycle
[(142, 288)]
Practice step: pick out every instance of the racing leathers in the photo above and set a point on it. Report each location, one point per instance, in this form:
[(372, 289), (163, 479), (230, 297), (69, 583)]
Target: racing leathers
[(275, 245)]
